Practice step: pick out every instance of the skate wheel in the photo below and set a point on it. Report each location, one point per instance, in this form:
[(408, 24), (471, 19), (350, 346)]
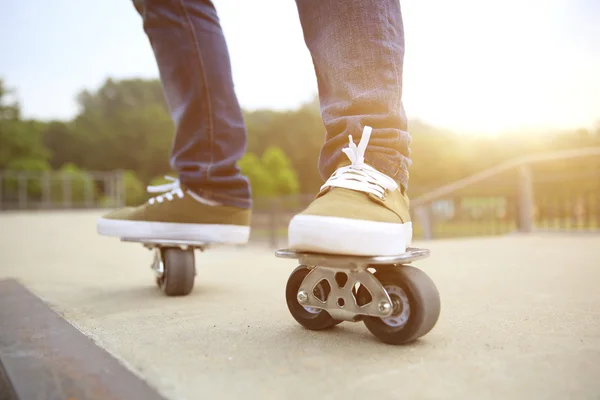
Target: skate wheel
[(179, 273), (309, 317), (416, 305)]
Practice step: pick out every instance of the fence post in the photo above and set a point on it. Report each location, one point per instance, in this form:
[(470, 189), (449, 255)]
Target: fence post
[(45, 183), (22, 190), (525, 199), (1, 186), (66, 189), (88, 192), (108, 189), (424, 214), (121, 190), (274, 209)]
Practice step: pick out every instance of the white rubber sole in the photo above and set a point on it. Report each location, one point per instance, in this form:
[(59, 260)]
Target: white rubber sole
[(140, 230), (347, 236)]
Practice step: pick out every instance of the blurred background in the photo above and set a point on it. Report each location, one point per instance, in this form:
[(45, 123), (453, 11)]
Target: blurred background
[(503, 100)]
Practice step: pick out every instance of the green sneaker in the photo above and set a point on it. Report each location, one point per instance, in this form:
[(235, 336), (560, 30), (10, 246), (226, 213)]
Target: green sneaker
[(358, 211), (178, 214)]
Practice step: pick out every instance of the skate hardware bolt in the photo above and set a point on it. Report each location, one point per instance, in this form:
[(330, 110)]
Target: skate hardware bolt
[(302, 297), (384, 307)]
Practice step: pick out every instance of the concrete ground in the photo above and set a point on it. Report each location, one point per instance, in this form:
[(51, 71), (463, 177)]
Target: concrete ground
[(520, 318)]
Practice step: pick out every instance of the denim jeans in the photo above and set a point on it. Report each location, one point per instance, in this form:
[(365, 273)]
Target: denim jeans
[(357, 48)]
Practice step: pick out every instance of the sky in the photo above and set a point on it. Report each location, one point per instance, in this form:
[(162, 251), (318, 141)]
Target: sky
[(472, 66)]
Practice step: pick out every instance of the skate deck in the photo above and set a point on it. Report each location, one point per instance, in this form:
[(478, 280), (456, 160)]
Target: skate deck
[(311, 258), (519, 318), (167, 242)]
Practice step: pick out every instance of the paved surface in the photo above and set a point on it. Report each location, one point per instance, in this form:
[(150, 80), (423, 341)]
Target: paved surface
[(520, 318)]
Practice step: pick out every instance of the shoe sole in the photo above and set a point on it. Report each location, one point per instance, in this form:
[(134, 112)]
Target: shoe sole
[(334, 235), (140, 230)]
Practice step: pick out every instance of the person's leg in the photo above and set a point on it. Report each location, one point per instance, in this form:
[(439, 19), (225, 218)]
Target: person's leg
[(357, 49), (211, 199)]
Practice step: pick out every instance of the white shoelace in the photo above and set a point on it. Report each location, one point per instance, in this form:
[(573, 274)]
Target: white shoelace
[(173, 189), (360, 176)]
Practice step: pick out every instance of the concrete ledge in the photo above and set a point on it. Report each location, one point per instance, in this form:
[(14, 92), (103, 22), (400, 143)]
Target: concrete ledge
[(43, 356), (6, 390)]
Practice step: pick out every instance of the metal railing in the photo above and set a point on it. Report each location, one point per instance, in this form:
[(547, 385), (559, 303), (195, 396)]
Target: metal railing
[(557, 191), (47, 190)]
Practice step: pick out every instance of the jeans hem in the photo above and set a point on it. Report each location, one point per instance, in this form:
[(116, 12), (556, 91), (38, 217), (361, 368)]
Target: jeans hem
[(224, 199), (397, 173)]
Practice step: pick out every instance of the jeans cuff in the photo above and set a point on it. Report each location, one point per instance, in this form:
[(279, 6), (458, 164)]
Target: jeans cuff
[(388, 167), (223, 199)]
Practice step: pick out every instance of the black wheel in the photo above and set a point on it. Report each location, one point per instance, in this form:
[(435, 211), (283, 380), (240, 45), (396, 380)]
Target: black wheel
[(309, 317), (179, 271), (416, 305)]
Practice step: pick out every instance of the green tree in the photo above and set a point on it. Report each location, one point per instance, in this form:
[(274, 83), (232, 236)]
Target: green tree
[(123, 125), (261, 182), (19, 139), (280, 170), (299, 133), (63, 144)]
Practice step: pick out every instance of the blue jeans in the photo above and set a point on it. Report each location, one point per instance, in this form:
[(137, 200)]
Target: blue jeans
[(357, 48)]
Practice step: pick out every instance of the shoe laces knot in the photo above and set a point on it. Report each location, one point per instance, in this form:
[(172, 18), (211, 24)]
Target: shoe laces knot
[(172, 189), (358, 175)]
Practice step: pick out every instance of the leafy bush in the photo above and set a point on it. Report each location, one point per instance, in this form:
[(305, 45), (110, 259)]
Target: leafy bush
[(135, 192)]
